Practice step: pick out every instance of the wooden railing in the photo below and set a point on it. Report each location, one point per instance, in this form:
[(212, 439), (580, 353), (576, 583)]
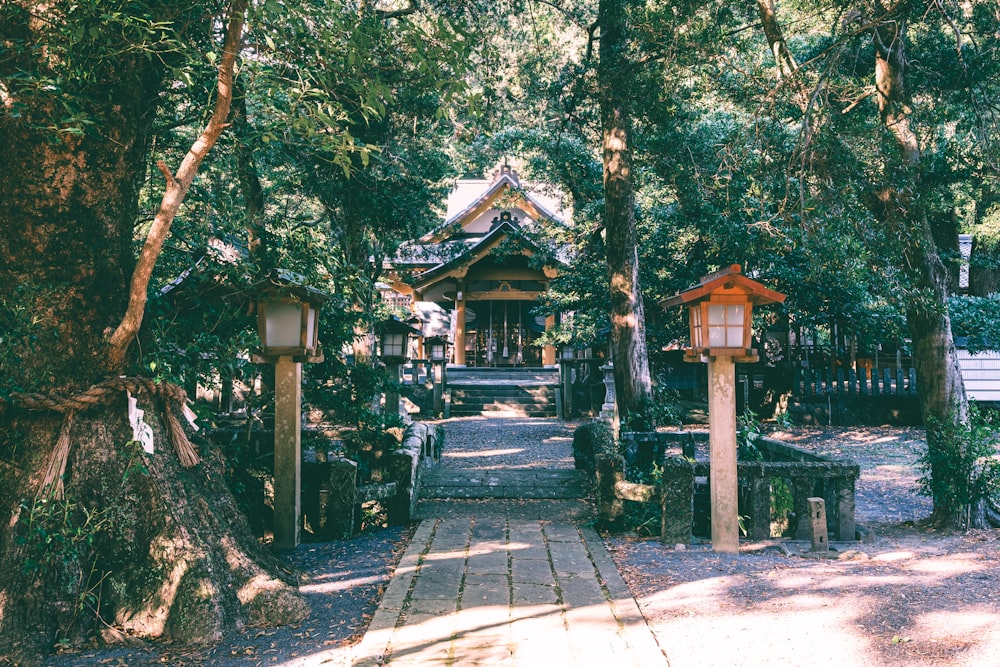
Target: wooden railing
[(861, 382)]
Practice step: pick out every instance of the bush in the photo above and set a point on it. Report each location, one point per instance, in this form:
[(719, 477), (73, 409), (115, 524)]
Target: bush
[(961, 467), (590, 440)]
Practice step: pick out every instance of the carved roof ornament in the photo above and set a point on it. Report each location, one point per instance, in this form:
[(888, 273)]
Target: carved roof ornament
[(506, 170)]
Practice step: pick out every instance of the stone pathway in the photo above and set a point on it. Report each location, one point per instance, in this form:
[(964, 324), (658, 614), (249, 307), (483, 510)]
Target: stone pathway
[(507, 582)]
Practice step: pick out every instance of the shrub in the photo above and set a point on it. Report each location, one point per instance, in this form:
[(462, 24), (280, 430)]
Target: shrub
[(591, 440), (961, 466)]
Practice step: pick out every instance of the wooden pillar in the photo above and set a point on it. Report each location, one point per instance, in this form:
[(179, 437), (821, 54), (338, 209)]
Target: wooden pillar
[(549, 351), (287, 452), (460, 327), (722, 454)]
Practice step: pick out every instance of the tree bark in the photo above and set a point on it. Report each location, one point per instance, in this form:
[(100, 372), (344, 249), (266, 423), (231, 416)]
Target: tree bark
[(628, 327), (941, 389), (138, 544)]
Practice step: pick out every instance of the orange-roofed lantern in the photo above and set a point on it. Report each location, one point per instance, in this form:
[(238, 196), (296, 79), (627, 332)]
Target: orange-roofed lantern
[(721, 310)]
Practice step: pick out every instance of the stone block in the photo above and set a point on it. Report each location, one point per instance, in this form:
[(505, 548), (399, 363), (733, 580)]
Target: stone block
[(678, 500)]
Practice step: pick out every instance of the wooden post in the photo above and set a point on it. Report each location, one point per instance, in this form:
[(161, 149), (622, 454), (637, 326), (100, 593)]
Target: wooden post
[(460, 327), (392, 394), (287, 452), (549, 351), (722, 454)]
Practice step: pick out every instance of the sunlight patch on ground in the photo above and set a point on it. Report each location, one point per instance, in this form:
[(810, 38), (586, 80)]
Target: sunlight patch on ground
[(444, 555), (703, 594), (820, 636), (846, 581), (337, 586), (892, 556), (951, 566), (480, 454), (948, 623)]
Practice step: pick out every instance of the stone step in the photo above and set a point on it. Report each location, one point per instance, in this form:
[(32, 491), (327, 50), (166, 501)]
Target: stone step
[(529, 484), (502, 410), (513, 392), (513, 401), (464, 391)]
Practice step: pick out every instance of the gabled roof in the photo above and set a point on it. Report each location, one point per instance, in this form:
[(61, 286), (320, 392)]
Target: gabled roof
[(729, 278), (478, 250), (506, 182)]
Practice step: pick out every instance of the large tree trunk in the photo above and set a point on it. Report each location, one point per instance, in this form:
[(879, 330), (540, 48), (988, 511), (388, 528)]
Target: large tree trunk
[(941, 390), (132, 543), (628, 326)]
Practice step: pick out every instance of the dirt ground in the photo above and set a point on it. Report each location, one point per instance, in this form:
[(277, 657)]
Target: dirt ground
[(909, 597)]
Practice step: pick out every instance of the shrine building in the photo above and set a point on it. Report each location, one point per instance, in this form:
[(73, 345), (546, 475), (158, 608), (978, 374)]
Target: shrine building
[(480, 267)]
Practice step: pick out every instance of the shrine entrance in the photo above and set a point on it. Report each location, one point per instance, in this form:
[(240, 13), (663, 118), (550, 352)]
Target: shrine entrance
[(502, 333)]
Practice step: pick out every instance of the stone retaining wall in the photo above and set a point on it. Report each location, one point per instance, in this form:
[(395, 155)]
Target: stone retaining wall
[(331, 494), (803, 473)]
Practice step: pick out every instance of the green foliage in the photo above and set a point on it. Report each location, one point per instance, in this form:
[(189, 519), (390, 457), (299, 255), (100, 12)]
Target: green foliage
[(58, 531), (748, 431), (66, 540), (976, 318), (782, 506), (24, 330), (374, 437), (961, 465)]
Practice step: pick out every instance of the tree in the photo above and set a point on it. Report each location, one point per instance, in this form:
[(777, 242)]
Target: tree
[(628, 320), (79, 85)]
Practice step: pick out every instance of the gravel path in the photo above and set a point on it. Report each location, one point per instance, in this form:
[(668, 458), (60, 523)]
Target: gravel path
[(912, 597), (509, 443)]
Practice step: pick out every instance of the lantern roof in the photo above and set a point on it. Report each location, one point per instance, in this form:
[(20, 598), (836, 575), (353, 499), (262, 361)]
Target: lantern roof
[(282, 281), (729, 279), (395, 325)]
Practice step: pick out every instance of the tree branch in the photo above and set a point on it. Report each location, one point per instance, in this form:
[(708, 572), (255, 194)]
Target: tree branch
[(177, 188)]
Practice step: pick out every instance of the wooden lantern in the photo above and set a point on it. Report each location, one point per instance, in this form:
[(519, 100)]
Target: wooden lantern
[(721, 311)]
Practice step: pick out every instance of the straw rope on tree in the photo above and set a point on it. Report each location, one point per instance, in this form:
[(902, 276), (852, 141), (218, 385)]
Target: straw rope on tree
[(100, 394)]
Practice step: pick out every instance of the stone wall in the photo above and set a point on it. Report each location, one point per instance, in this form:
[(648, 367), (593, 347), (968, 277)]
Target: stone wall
[(805, 475), (332, 495)]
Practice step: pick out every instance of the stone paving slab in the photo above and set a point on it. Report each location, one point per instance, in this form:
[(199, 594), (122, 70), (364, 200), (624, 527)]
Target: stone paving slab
[(507, 591)]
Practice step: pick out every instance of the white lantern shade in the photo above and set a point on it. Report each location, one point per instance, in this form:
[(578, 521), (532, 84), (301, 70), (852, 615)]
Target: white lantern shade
[(721, 309), (394, 344), (437, 350), (726, 325), (288, 317), (282, 324)]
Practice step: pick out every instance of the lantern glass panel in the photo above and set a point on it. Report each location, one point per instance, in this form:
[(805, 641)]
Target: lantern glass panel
[(725, 325), (437, 351), (393, 344), (282, 324), (312, 329)]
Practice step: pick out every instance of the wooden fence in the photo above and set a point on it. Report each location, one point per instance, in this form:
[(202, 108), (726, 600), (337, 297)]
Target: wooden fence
[(860, 382)]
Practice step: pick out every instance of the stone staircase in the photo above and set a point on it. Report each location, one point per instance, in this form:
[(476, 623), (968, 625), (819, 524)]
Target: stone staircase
[(508, 392)]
